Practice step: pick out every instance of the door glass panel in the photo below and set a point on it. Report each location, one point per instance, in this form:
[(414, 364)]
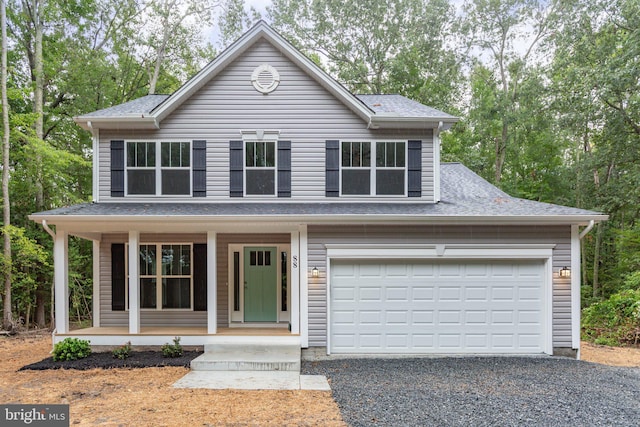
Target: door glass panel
[(236, 281), (283, 279)]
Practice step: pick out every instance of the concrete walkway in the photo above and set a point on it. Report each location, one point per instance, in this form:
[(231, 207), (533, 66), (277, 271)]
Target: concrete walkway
[(253, 380)]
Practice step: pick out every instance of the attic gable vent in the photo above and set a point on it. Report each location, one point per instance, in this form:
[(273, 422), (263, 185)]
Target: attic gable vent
[(265, 78)]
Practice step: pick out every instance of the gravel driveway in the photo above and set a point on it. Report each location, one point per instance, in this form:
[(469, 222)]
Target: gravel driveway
[(481, 391)]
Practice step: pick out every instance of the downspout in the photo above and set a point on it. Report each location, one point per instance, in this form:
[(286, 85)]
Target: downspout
[(588, 229), (55, 330)]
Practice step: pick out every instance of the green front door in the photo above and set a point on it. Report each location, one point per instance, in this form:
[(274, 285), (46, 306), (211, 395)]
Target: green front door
[(260, 284)]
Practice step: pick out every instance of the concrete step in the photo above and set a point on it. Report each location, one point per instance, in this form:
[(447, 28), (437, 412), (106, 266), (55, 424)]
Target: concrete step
[(249, 357)]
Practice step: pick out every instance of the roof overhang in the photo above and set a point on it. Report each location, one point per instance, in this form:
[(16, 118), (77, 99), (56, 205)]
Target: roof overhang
[(136, 121), (202, 223)]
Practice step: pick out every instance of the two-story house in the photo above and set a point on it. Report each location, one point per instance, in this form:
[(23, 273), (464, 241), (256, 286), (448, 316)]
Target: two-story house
[(263, 199)]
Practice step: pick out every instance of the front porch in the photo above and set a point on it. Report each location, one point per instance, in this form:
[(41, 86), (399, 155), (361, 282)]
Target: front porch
[(189, 336), (206, 287)]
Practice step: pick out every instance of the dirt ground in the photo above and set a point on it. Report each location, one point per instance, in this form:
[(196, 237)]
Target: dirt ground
[(144, 397), (614, 356)]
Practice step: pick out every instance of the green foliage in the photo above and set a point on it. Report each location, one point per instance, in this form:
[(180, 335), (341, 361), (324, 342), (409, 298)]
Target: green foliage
[(615, 321), (71, 349), (122, 352), (172, 350)]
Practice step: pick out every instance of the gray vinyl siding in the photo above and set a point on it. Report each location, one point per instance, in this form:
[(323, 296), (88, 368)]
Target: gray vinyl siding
[(319, 236), (302, 110)]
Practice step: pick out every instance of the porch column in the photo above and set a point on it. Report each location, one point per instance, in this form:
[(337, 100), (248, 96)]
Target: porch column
[(304, 287), (134, 286), (96, 284), (61, 279), (295, 282), (212, 291)]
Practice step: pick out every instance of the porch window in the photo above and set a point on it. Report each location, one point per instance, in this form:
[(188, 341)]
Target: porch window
[(169, 265), (260, 162), (158, 168)]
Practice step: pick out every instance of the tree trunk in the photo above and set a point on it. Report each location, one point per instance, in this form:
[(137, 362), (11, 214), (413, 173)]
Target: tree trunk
[(7, 318)]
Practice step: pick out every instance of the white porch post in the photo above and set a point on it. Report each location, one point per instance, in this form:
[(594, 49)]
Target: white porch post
[(96, 284), (212, 308), (304, 288), (295, 282), (61, 278), (134, 287)]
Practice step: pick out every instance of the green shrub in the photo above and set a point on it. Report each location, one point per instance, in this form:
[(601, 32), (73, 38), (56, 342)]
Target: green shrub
[(122, 352), (172, 350), (71, 349), (615, 321)]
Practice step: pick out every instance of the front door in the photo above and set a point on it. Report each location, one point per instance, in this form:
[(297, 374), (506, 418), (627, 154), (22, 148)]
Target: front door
[(260, 284)]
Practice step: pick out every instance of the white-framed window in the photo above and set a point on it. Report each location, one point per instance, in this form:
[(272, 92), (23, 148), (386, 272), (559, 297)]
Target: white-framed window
[(158, 168), (260, 168), (166, 276), (385, 174)]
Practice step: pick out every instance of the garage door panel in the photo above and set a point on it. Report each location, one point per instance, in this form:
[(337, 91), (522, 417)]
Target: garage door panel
[(482, 307)]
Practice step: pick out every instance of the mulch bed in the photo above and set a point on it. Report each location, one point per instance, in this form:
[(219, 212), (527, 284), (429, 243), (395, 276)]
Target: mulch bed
[(137, 359)]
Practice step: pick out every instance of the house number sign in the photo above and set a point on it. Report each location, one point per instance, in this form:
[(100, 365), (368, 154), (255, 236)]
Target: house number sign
[(294, 261)]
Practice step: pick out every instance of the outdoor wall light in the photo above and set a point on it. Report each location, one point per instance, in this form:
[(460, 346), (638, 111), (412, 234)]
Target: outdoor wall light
[(565, 272), (314, 272)]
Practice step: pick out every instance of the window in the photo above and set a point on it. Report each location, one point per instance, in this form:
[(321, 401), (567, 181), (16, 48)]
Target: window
[(356, 168), (390, 167), (141, 168), (175, 168), (260, 162), (385, 177), (170, 266), (172, 177)]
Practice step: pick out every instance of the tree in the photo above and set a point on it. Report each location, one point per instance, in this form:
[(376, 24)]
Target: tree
[(373, 47), (7, 317), (494, 33)]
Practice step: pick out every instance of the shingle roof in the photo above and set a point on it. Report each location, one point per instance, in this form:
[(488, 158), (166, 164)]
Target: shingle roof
[(396, 105), (464, 195), (400, 106), (140, 106)]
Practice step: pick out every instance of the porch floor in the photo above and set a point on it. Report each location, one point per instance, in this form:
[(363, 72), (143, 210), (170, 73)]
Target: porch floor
[(180, 331)]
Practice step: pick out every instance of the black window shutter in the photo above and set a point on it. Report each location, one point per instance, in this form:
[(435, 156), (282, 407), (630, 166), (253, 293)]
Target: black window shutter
[(199, 149), (332, 176), (200, 277), (236, 166), (284, 168), (117, 168), (118, 278), (414, 184)]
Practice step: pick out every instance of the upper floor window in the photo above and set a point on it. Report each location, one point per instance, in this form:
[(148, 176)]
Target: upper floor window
[(385, 176), (260, 171), (158, 168)]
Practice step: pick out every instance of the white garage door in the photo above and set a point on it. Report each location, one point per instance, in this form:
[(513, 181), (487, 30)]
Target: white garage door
[(436, 307)]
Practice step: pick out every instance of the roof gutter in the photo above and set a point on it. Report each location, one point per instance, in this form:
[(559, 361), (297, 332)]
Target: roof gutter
[(588, 229), (48, 229)]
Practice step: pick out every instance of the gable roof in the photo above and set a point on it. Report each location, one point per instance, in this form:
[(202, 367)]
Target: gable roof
[(376, 110), (466, 198)]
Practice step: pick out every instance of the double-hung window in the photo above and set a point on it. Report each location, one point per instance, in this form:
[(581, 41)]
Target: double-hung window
[(158, 168), (384, 176), (260, 163), (390, 168), (165, 276), (356, 168)]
